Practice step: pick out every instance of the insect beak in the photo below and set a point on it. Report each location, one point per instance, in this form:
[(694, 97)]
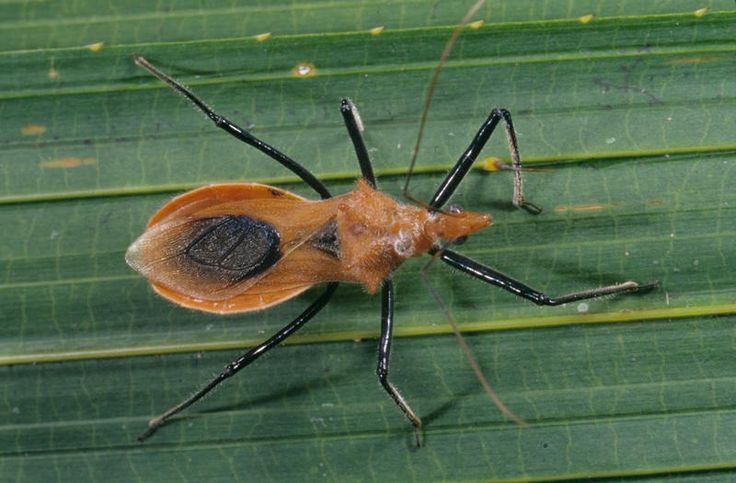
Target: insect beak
[(477, 221), (456, 226)]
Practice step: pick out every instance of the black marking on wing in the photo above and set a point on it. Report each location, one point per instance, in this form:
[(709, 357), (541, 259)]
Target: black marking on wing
[(326, 239), (233, 248)]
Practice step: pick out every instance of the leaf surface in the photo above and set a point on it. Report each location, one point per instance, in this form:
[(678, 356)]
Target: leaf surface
[(627, 121)]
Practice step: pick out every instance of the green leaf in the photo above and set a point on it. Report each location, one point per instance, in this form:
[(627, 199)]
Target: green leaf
[(627, 120)]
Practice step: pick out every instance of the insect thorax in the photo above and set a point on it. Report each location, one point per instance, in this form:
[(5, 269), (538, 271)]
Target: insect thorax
[(375, 233)]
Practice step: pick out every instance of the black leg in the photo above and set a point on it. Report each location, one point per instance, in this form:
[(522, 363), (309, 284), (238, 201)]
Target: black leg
[(244, 360), (355, 127), (384, 352), (490, 276), (238, 132), (461, 168)]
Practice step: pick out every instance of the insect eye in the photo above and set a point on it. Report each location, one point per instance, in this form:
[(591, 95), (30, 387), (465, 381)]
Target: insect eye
[(455, 209)]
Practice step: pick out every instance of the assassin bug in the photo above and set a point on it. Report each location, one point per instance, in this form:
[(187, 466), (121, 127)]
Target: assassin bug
[(241, 247)]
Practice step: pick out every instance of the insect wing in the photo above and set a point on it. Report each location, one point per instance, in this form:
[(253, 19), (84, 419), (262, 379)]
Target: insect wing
[(212, 258), (236, 247)]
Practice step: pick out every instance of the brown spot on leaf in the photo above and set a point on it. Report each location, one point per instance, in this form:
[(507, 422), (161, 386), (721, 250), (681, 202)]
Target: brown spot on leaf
[(33, 130), (582, 208), (66, 163), (693, 60)]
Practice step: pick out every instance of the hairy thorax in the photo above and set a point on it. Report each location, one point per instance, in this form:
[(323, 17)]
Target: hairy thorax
[(376, 233)]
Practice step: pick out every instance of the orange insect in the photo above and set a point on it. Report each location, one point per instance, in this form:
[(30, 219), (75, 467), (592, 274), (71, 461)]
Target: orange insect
[(232, 248), (240, 247)]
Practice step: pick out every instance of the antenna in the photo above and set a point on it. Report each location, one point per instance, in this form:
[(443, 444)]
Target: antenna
[(490, 392), (433, 85), (467, 352)]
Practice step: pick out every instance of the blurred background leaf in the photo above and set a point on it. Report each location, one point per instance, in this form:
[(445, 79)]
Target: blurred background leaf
[(628, 116)]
